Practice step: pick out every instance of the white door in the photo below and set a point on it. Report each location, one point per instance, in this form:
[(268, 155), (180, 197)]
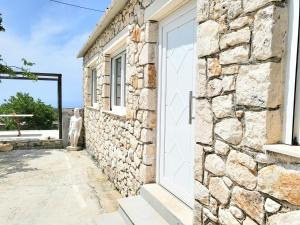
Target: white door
[(177, 76)]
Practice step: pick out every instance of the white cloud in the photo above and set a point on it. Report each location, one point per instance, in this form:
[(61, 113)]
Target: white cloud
[(53, 50)]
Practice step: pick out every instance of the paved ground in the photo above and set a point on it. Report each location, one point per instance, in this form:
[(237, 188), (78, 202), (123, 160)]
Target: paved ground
[(52, 187), (29, 134)]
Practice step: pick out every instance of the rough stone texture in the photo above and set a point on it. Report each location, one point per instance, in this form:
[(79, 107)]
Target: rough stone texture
[(236, 212), (259, 85), (240, 168), (271, 206), (230, 130), (262, 128), (215, 165), (198, 168), (251, 5), (214, 67), (6, 147), (208, 38), (249, 221), (290, 218), (222, 106), (237, 37), (280, 183), (221, 148), (241, 22), (251, 202), (226, 218), (219, 190), (204, 122), (201, 193), (269, 32), (238, 54)]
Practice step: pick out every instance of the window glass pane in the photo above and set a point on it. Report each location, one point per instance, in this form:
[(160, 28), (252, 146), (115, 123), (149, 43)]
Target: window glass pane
[(118, 81)]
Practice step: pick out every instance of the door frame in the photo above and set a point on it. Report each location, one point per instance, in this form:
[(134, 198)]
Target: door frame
[(191, 6)]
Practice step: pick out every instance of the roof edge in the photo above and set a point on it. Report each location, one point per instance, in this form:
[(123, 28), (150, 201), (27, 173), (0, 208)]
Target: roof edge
[(115, 7)]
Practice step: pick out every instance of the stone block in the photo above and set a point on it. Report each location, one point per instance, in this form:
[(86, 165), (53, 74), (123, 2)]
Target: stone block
[(150, 76), (269, 33), (202, 10), (234, 38), (199, 158), (147, 99), (214, 87), (259, 85), (271, 206), (240, 168), (214, 67), (241, 22), (147, 55), (222, 106), (201, 193), (262, 128), (215, 164), (221, 148), (230, 130), (228, 83), (149, 154), (151, 32), (219, 190), (147, 174), (147, 135), (200, 87), (208, 38), (281, 183), (290, 218), (226, 218), (249, 221), (238, 54), (6, 147), (203, 122), (252, 5), (236, 212), (251, 202)]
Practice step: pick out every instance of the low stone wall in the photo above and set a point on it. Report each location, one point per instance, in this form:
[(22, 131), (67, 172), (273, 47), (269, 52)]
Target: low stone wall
[(35, 144)]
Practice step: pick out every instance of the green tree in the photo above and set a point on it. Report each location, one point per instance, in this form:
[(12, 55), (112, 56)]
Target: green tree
[(11, 70), (43, 115)]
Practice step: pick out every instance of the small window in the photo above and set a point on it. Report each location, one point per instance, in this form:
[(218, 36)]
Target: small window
[(118, 79), (94, 87)]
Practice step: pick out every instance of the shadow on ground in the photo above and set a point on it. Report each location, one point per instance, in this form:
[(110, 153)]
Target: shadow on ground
[(17, 161)]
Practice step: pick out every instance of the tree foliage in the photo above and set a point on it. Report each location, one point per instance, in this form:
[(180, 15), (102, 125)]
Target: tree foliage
[(43, 115), (11, 70)]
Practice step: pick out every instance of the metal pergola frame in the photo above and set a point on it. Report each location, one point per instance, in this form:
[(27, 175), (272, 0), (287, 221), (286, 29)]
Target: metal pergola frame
[(45, 77)]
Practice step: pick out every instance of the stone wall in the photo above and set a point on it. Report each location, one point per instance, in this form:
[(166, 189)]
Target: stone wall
[(34, 144), (124, 145), (241, 49)]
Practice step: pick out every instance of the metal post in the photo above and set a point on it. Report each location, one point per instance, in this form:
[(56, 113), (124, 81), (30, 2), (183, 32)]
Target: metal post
[(59, 97)]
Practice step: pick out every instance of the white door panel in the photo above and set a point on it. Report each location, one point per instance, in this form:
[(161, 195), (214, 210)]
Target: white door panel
[(178, 70)]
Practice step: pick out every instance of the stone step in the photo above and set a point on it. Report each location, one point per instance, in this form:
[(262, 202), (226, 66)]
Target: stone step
[(167, 205), (139, 212), (114, 218)]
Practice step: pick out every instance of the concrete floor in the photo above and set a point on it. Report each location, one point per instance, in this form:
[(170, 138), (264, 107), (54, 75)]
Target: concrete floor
[(52, 187)]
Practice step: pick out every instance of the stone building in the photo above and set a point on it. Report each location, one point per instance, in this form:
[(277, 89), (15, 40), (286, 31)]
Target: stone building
[(193, 108)]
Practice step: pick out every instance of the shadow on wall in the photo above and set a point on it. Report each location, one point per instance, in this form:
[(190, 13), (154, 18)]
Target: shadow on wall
[(67, 113)]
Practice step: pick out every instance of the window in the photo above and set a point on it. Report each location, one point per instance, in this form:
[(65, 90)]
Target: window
[(94, 87), (118, 79), (291, 134)]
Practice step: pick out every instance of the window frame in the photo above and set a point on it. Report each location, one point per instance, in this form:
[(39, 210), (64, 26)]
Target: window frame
[(291, 119), (119, 109), (93, 87)]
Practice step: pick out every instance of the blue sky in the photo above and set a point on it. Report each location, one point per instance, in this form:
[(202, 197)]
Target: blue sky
[(50, 35)]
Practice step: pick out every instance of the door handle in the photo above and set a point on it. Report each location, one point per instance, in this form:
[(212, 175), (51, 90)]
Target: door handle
[(191, 107)]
